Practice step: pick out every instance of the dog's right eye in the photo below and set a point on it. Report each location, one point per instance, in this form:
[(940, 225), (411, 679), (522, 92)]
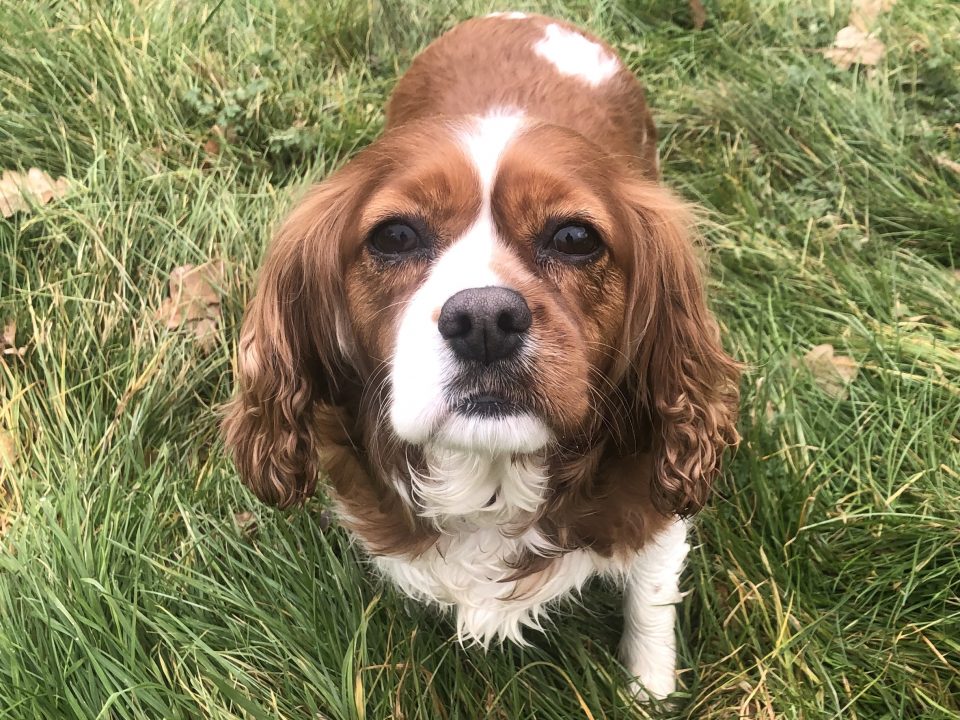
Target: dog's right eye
[(394, 239)]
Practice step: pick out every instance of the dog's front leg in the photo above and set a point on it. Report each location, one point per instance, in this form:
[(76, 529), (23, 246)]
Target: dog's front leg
[(648, 648)]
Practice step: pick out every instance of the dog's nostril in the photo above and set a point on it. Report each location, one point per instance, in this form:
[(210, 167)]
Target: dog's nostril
[(454, 325), (515, 320)]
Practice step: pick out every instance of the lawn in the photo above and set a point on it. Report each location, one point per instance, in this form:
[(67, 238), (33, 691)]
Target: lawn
[(139, 579)]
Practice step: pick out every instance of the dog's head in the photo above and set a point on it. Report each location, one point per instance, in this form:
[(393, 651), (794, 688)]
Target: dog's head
[(491, 287)]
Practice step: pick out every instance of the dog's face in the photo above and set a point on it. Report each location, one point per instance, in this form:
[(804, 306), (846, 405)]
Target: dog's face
[(493, 286)]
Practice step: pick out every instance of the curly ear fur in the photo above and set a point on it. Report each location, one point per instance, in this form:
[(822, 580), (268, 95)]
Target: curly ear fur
[(686, 386), (291, 354)]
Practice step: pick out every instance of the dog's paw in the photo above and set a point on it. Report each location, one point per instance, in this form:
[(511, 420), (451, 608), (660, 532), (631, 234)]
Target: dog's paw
[(651, 681)]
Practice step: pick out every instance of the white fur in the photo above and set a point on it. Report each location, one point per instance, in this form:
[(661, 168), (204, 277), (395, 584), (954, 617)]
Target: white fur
[(573, 54), (482, 489), (465, 573), (510, 434), (648, 647), (422, 363), (508, 15), (485, 142), (466, 570)]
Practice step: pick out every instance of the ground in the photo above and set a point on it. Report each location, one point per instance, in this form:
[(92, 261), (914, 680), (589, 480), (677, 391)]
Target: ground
[(138, 579)]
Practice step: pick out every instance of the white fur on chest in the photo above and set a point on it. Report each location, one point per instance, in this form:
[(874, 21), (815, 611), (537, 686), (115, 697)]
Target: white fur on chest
[(481, 504), (467, 572)]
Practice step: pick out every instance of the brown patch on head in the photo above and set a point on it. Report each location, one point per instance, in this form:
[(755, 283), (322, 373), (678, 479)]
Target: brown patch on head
[(489, 63)]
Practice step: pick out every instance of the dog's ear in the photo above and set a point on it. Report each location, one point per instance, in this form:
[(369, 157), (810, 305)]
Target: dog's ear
[(295, 347), (683, 386)]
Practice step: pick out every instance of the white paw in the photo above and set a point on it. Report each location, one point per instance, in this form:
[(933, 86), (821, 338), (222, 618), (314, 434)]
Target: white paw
[(651, 681)]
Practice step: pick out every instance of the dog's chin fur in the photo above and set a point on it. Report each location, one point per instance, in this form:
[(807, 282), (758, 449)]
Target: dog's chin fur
[(497, 488), (510, 434)]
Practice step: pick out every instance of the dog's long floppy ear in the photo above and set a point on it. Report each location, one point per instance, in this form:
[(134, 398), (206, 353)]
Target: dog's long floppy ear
[(295, 346), (685, 387)]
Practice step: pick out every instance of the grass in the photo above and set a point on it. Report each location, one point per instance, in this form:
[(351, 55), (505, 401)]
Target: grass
[(826, 574)]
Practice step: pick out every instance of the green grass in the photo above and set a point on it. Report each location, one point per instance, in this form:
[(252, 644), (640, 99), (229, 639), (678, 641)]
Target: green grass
[(826, 575)]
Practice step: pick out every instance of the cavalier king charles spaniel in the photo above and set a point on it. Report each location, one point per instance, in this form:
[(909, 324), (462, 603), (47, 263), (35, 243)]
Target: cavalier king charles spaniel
[(488, 332)]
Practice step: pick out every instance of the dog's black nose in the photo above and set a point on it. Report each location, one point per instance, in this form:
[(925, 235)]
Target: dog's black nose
[(485, 324)]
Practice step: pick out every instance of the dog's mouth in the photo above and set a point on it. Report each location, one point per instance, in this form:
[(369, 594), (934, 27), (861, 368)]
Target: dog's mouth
[(487, 405)]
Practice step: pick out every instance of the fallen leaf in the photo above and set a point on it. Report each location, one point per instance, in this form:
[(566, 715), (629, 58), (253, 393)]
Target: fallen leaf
[(246, 522), (8, 448), (227, 132), (212, 147), (8, 341), (206, 333), (945, 162), (699, 14), (16, 189), (769, 412), (854, 46), (194, 301), (864, 13), (832, 373)]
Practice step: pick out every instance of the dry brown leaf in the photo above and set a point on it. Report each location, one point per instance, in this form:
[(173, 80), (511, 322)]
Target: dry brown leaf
[(211, 150), (769, 412), (16, 190), (194, 301), (206, 333), (8, 341), (832, 373), (864, 13), (945, 162), (228, 133), (246, 522), (8, 448), (854, 46), (699, 14)]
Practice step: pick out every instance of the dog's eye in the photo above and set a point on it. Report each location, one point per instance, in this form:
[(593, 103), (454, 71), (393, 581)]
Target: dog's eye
[(395, 239), (577, 242)]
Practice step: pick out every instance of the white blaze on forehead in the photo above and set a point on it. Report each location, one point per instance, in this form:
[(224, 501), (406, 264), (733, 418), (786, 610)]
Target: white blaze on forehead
[(422, 363), (485, 141), (573, 54)]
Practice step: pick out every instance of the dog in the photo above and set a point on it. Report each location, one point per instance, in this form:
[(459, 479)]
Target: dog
[(488, 330)]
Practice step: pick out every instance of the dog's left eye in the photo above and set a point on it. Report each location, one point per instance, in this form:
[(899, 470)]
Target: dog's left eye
[(575, 242), (395, 239)]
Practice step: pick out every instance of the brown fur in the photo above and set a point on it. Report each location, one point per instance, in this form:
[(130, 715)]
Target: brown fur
[(630, 374), (490, 62)]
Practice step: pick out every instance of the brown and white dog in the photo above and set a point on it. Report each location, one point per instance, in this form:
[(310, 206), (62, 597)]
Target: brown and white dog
[(488, 331)]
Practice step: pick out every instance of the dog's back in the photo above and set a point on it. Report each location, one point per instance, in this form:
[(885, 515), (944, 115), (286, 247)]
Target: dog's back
[(550, 69)]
